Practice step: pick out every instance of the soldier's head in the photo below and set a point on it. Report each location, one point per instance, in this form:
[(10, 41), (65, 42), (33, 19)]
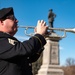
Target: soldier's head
[(8, 22), (51, 10)]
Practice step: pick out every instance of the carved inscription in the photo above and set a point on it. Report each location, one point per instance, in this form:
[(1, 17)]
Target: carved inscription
[(54, 53)]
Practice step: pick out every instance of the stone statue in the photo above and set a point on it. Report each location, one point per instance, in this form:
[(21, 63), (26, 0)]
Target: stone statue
[(51, 17)]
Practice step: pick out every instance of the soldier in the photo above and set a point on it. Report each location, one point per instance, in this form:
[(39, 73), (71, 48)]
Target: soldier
[(51, 17), (15, 56)]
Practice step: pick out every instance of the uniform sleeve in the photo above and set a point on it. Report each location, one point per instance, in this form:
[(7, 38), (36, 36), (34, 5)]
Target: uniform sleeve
[(10, 49), (36, 56)]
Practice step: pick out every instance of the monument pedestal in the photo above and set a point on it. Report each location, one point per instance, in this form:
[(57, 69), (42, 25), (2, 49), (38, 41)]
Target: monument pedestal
[(50, 70), (50, 64)]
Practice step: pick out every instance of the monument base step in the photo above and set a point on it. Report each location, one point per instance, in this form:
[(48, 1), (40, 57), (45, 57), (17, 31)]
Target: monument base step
[(50, 70)]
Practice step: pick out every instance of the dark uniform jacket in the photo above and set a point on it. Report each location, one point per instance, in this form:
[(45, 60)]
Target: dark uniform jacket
[(15, 56)]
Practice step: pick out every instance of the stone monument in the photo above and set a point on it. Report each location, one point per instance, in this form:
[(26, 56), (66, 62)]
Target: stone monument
[(51, 58)]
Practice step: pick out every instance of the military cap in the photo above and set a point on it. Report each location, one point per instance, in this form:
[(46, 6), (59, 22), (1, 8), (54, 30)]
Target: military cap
[(5, 12)]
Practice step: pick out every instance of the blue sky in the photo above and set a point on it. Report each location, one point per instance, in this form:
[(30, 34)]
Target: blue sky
[(29, 11)]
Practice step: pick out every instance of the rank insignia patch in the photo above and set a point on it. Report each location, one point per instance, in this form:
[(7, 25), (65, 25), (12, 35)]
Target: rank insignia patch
[(11, 41)]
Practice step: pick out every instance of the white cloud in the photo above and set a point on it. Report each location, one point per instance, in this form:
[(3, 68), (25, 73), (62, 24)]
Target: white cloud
[(60, 48), (21, 38)]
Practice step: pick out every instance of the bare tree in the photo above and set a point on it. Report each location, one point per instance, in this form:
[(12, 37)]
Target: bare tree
[(70, 61)]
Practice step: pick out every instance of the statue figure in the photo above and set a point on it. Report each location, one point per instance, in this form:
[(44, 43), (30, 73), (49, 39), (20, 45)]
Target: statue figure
[(51, 17)]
